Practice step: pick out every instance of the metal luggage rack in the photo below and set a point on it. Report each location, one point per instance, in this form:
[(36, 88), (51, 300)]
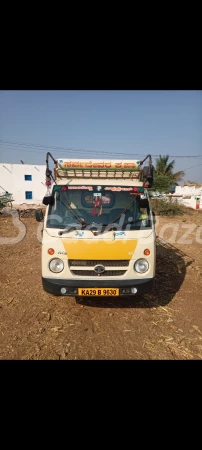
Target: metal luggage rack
[(76, 173), (138, 173)]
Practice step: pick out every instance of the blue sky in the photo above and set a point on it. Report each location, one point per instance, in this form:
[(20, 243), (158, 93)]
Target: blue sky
[(102, 124)]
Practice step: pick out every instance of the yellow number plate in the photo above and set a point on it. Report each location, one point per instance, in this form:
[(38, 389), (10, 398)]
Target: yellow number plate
[(111, 292)]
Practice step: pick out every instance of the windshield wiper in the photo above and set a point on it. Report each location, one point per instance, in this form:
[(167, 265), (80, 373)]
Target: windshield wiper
[(66, 230), (71, 210), (113, 228), (122, 212)]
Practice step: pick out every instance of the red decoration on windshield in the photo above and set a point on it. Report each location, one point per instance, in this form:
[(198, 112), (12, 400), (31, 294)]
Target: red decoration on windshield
[(97, 204)]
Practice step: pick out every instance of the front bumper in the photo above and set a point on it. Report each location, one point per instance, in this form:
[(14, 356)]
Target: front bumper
[(53, 286)]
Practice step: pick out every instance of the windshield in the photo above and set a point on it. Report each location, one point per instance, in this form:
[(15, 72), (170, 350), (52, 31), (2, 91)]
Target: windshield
[(88, 206)]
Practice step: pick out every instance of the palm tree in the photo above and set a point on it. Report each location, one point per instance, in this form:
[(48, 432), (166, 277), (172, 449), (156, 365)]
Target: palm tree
[(163, 168)]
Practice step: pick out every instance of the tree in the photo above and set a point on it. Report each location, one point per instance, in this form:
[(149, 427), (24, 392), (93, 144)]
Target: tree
[(164, 177), (164, 168)]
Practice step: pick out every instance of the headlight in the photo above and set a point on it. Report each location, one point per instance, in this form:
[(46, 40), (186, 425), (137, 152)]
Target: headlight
[(141, 265), (56, 265)]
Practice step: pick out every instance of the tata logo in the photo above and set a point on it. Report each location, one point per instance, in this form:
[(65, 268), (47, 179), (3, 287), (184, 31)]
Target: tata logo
[(99, 269)]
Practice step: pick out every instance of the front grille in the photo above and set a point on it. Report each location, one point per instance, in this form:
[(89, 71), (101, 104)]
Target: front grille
[(92, 273), (92, 263)]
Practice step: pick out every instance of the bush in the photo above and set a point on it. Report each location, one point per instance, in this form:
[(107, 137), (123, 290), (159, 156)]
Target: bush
[(164, 208), (161, 183)]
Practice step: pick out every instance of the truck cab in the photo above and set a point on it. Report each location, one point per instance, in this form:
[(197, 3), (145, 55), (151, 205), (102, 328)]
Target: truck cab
[(98, 232)]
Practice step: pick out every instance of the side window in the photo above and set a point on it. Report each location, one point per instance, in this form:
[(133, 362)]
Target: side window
[(28, 195), (28, 177)]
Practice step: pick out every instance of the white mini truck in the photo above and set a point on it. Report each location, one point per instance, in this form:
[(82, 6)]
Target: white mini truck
[(98, 236)]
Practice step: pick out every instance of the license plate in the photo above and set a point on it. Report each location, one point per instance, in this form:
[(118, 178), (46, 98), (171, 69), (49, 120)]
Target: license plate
[(111, 292)]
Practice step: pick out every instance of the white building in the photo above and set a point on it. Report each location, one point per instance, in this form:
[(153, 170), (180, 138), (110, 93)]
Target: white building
[(189, 195), (25, 181)]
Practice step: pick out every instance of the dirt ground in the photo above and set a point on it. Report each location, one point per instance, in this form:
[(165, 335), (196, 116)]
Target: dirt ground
[(166, 324)]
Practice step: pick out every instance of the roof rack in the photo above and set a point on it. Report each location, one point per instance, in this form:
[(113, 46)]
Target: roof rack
[(98, 168)]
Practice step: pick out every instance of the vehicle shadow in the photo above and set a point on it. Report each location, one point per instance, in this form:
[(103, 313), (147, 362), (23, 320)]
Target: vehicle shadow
[(171, 268)]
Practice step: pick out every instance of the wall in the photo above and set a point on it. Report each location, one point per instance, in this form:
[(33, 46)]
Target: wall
[(12, 179), (188, 191)]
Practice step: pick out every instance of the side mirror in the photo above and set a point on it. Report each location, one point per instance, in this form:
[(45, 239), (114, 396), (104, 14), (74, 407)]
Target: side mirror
[(147, 175), (144, 203), (48, 200), (39, 215), (154, 217)]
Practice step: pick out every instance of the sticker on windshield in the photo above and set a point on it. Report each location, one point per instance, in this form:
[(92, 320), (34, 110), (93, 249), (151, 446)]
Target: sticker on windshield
[(87, 188), (119, 233), (80, 233), (118, 189)]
